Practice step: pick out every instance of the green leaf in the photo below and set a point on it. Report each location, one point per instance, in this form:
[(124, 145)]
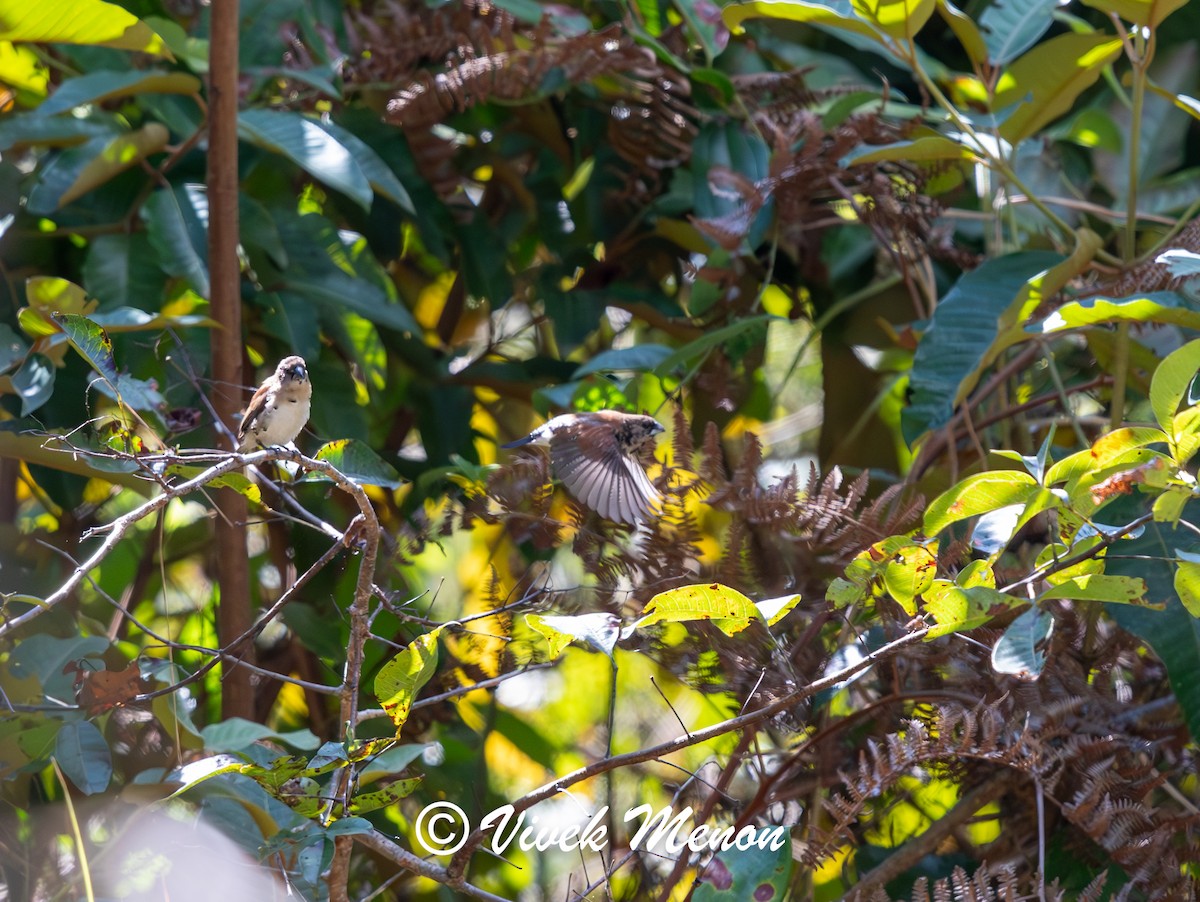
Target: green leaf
[(761, 871), (100, 86), (1106, 451), (1017, 652), (1171, 381), (401, 678), (123, 269), (729, 610), (236, 481), (836, 14), (378, 175), (1154, 307), (727, 146), (362, 802), (1013, 26), (908, 573), (900, 19), (349, 826), (955, 609), (357, 461), (77, 22), (12, 349), (1055, 73), (773, 610), (599, 631), (1187, 581), (310, 147), (321, 273), (84, 756), (966, 31), (639, 358), (706, 343), (74, 172), (931, 147), (237, 734), (33, 383), (1102, 587), (29, 129), (177, 220), (92, 343), (1143, 13), (964, 329), (1173, 633), (979, 494)]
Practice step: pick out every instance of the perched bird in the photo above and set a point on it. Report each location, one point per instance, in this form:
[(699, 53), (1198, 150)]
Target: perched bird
[(595, 455), (279, 409)]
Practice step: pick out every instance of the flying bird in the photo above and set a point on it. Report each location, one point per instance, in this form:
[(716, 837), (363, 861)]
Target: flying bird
[(595, 455), (279, 409)]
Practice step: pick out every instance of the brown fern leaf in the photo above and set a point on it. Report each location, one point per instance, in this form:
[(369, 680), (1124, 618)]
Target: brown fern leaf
[(712, 462)]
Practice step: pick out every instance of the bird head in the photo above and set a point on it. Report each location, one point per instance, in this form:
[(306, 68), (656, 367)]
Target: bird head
[(292, 369)]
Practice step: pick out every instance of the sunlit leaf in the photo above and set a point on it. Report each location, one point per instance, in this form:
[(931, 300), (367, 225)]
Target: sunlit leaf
[(728, 609), (599, 631), (1102, 587), (979, 494), (1153, 307), (356, 460), (1051, 75), (1171, 381), (836, 14), (401, 678), (77, 22), (1143, 13)]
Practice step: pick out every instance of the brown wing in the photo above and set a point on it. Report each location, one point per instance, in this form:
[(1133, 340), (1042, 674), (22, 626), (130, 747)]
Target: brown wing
[(590, 463), (253, 411)]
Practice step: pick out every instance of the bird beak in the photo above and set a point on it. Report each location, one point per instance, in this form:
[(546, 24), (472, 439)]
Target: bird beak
[(298, 372)]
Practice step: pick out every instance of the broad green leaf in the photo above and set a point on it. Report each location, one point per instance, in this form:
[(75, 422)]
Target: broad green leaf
[(729, 610), (1154, 307), (237, 734), (401, 678), (962, 333), (100, 86), (1171, 381), (723, 146), (775, 609), (380, 177), (92, 343), (236, 481), (258, 229), (349, 826), (1102, 587), (931, 147), (965, 29), (762, 871), (357, 461), (310, 147), (979, 494), (896, 18), (77, 22), (177, 221), (702, 345), (292, 320), (909, 573), (1173, 633), (639, 358), (1107, 450), (1013, 26), (1187, 581), (599, 631), (955, 609), (391, 761), (83, 755), (131, 319), (1143, 13), (123, 269), (12, 349), (54, 295), (836, 14), (322, 273), (33, 383), (78, 170), (1021, 652), (29, 129), (362, 802), (1055, 73), (1185, 434)]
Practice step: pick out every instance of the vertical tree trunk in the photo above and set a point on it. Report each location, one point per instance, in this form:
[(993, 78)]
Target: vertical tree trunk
[(233, 568)]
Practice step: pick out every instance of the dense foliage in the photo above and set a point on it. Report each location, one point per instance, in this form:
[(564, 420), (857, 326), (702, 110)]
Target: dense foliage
[(913, 290)]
